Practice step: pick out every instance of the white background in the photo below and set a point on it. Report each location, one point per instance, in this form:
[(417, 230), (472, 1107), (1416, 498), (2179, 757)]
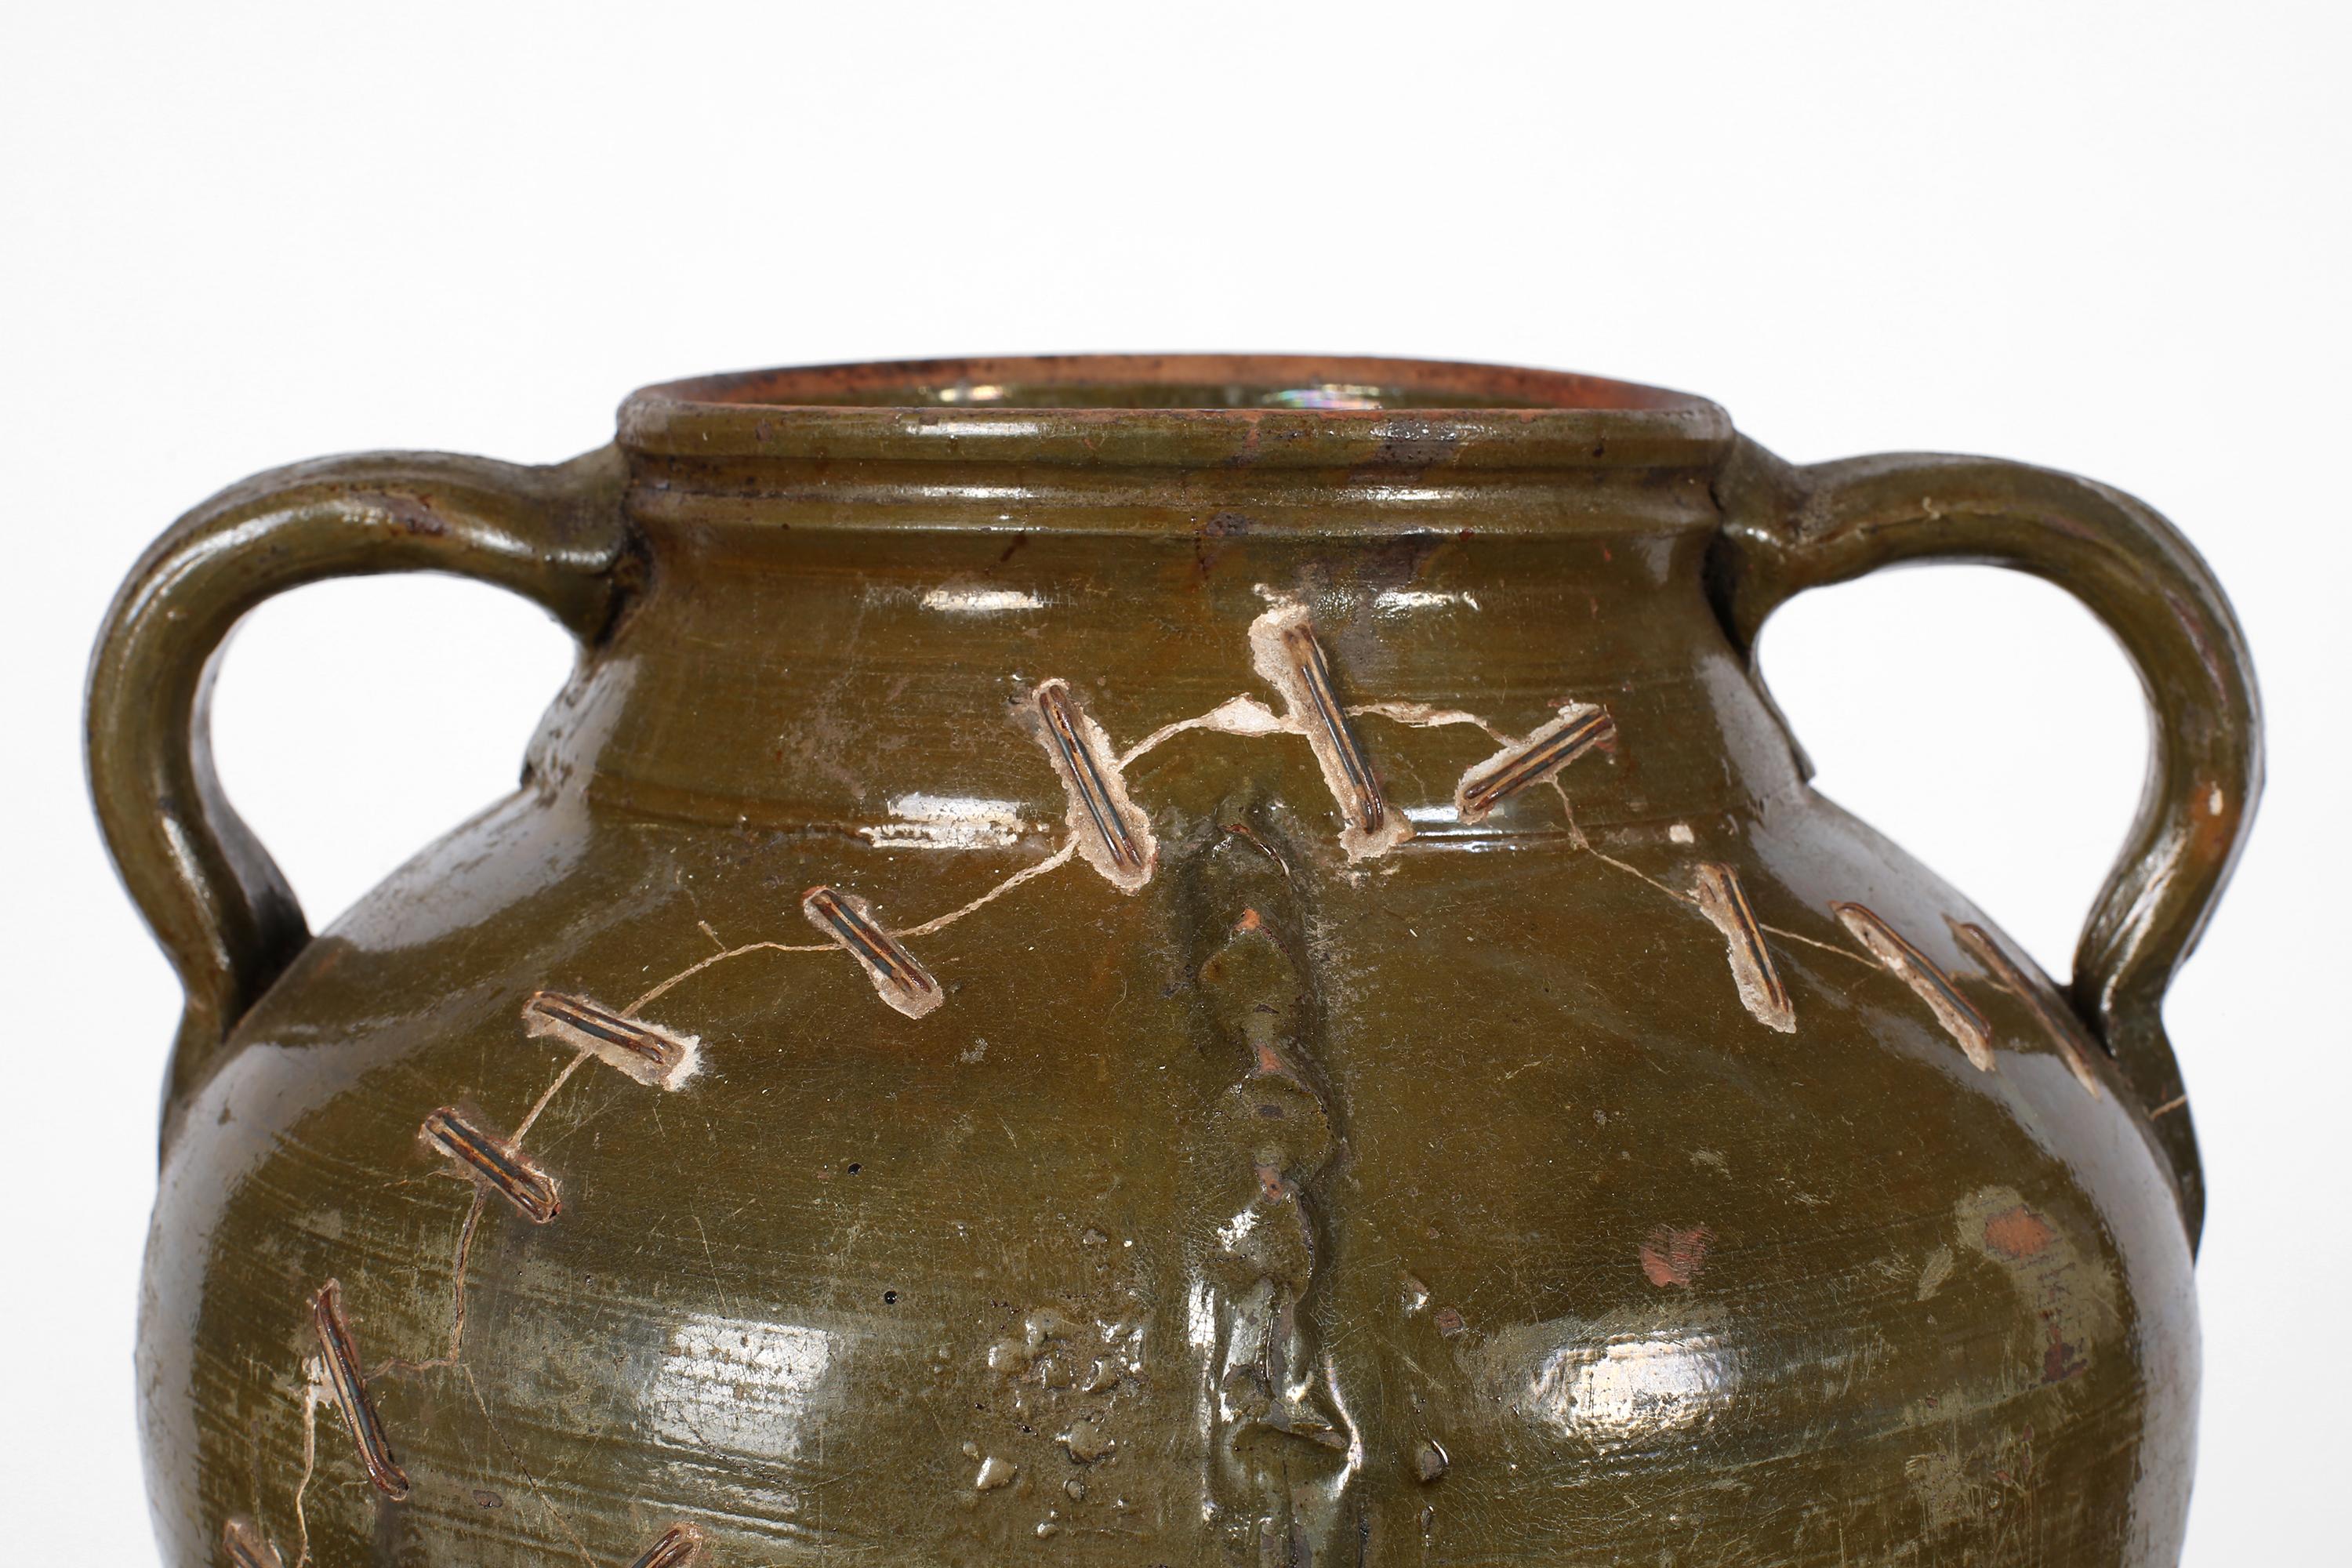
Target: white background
[(2109, 238)]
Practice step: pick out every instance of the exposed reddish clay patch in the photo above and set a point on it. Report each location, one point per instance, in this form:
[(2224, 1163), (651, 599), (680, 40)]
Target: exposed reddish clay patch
[(2060, 1361), (2018, 1233), (1673, 1257)]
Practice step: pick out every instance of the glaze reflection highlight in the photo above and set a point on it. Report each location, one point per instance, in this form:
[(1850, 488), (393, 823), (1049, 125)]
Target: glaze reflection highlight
[(740, 1385)]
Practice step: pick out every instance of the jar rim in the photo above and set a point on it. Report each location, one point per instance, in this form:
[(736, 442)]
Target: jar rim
[(1153, 410)]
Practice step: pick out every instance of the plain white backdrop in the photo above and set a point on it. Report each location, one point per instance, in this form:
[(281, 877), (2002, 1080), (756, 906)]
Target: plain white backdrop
[(2112, 238)]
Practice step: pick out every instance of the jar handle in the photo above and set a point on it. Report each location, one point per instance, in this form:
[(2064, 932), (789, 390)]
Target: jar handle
[(1788, 529), (218, 905)]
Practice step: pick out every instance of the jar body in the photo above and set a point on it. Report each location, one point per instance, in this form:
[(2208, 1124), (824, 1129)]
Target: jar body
[(1466, 1201)]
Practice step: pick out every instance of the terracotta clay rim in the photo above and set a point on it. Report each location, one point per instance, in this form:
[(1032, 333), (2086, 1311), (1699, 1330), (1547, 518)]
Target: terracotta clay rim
[(1508, 417)]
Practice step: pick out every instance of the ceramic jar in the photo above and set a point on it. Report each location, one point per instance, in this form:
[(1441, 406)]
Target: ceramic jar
[(1166, 961)]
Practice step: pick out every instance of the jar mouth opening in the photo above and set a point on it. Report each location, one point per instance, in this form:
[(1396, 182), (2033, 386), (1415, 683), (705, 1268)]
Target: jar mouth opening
[(1196, 383)]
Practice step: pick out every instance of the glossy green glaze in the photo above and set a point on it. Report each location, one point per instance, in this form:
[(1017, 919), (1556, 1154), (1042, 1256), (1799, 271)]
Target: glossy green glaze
[(1338, 1032)]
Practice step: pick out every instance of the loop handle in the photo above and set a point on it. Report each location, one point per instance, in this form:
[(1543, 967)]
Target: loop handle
[(1788, 529), (218, 905)]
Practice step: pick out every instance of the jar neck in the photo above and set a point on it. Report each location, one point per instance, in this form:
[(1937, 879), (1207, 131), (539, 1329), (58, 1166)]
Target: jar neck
[(802, 659)]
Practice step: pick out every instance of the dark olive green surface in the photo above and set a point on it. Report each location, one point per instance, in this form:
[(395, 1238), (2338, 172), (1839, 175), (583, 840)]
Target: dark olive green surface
[(1539, 1246)]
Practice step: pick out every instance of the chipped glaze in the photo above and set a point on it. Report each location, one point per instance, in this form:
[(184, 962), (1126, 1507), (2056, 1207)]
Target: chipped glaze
[(339, 1353), (496, 1162), (2003, 971), (1535, 760), (242, 1540), (1927, 979), (1381, 1061), (680, 1546), (1113, 834), (1724, 904), (899, 979)]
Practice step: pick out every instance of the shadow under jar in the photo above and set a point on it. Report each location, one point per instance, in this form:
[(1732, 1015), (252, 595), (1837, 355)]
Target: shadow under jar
[(1171, 961)]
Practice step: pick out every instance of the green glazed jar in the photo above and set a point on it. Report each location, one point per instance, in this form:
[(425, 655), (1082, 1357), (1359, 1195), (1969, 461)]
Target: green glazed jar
[(1165, 961)]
